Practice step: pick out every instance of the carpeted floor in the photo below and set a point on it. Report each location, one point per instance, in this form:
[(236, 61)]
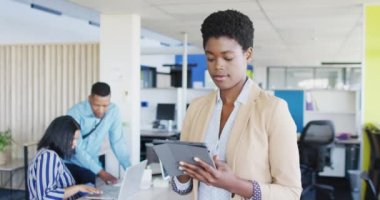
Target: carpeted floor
[(5, 194), (341, 186)]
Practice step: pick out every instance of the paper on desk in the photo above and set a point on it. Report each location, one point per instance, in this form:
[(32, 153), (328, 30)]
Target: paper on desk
[(170, 154)]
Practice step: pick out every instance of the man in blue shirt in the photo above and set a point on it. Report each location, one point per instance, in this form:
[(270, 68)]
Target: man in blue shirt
[(98, 118)]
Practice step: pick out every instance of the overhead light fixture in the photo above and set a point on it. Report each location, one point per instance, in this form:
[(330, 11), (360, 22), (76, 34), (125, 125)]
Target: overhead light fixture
[(341, 63), (45, 9), (181, 44), (94, 23), (164, 44)]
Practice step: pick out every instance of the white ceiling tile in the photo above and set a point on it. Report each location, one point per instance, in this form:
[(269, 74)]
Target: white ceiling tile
[(114, 6), (184, 2)]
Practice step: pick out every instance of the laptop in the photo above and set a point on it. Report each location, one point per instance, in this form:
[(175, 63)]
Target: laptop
[(130, 185)]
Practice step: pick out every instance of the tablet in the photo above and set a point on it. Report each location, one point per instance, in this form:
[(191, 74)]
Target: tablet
[(200, 144), (170, 153)]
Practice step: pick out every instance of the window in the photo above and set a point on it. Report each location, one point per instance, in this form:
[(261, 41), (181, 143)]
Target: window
[(330, 78), (276, 78), (299, 78), (324, 77)]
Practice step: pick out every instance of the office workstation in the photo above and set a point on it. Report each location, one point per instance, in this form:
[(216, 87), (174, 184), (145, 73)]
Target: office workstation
[(42, 74), (162, 127)]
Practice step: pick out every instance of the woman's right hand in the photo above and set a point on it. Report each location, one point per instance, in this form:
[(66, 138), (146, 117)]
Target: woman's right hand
[(88, 189), (72, 190)]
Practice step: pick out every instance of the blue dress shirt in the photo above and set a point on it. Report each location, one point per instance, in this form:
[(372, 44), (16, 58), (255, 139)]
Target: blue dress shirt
[(87, 150)]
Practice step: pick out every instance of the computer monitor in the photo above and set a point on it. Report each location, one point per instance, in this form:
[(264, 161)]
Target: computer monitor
[(165, 111)]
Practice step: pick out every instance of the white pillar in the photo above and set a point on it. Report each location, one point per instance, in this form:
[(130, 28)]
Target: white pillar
[(120, 68), (181, 105)]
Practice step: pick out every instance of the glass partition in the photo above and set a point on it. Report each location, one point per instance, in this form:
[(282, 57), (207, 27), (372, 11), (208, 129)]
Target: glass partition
[(322, 77)]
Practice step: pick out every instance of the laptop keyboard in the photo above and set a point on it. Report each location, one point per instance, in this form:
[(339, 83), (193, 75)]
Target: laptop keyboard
[(110, 189), (161, 132)]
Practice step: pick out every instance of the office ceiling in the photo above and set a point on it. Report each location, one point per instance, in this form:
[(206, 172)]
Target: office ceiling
[(20, 24), (292, 32)]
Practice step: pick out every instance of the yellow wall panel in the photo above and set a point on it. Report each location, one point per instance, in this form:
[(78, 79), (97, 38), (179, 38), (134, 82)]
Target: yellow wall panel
[(371, 74)]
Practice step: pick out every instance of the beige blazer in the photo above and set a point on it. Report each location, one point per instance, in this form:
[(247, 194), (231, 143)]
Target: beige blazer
[(262, 145)]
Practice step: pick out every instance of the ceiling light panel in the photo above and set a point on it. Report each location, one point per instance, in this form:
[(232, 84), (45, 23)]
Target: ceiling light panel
[(207, 8)]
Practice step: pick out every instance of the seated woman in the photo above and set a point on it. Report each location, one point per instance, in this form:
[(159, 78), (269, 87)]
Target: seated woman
[(48, 177)]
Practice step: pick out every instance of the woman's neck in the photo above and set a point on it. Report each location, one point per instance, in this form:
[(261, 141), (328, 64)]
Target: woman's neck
[(230, 95)]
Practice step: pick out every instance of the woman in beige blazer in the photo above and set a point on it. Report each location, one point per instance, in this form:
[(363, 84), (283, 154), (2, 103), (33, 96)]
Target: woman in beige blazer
[(250, 132)]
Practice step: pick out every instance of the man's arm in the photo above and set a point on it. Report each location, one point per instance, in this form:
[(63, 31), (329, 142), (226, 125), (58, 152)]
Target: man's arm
[(85, 159)]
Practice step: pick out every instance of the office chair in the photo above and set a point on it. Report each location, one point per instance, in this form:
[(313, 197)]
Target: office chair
[(314, 147), (374, 166), (29, 149), (370, 193)]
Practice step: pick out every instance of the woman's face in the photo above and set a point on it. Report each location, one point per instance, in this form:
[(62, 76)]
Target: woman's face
[(76, 137), (226, 61)]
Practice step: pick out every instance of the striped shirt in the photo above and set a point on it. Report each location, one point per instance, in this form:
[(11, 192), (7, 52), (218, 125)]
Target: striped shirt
[(48, 176)]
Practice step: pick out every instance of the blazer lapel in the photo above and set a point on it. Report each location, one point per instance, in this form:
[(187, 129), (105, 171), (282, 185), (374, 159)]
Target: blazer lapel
[(240, 124), (204, 117)]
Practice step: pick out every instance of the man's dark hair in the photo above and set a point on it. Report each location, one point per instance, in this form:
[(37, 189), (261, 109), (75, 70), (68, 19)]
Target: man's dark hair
[(101, 89), (59, 136), (230, 23)]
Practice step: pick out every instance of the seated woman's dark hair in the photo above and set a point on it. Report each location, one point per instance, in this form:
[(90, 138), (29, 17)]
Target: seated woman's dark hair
[(59, 136), (229, 23)]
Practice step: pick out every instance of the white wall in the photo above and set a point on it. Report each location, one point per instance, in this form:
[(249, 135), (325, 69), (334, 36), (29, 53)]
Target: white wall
[(120, 67)]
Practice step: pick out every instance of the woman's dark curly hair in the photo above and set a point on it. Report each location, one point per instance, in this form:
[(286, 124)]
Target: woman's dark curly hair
[(230, 23), (59, 136)]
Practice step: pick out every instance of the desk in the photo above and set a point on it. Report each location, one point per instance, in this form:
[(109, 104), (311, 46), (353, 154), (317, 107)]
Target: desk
[(12, 166), (348, 142), (157, 191), (352, 147), (344, 157), (159, 133)]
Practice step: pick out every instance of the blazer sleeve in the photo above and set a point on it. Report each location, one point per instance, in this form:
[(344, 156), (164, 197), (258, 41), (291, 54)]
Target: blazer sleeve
[(283, 156)]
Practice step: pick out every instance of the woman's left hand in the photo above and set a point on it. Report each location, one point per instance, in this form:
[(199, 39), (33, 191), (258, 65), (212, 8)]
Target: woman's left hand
[(221, 177)]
